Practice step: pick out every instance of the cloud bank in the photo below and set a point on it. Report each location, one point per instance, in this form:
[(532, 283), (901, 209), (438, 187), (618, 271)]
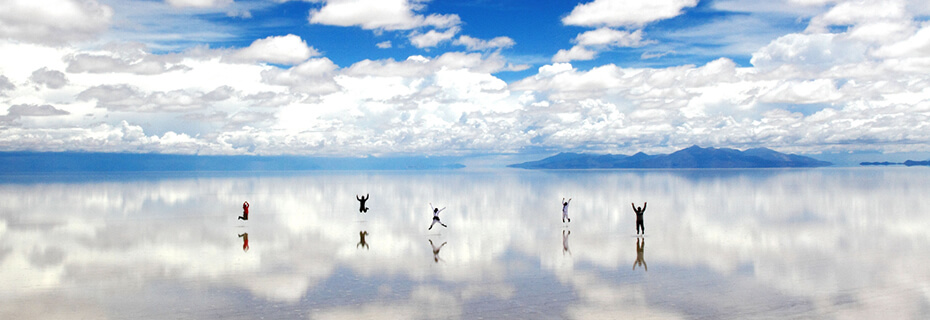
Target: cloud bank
[(854, 78)]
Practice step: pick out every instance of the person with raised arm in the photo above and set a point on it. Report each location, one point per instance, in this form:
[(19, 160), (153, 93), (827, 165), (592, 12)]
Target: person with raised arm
[(565, 210), (361, 201), (436, 217), (245, 211), (639, 217)]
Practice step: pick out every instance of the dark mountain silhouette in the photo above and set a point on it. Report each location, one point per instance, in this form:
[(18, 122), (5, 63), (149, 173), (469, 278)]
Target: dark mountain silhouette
[(692, 157), (916, 163)]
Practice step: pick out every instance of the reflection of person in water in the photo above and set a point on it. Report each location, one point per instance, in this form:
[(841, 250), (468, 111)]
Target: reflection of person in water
[(565, 210), (640, 249), (436, 217), (361, 201), (245, 241), (639, 217), (361, 241), (565, 242), (245, 211), (436, 250)]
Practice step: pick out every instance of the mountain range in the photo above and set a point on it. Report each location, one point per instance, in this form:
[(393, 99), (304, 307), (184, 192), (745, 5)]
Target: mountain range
[(692, 157)]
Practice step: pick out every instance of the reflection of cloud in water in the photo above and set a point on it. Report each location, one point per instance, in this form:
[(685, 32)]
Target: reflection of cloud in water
[(836, 241)]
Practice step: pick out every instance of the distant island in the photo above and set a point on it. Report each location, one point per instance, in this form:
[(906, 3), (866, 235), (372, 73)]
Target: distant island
[(908, 163), (692, 157)]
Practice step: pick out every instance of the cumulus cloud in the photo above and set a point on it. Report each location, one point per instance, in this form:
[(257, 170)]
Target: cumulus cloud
[(5, 84), (856, 12), (52, 79), (133, 58), (620, 13), (130, 99), (289, 49), (475, 44), (379, 14), (314, 76), (53, 21), (432, 38), (384, 44), (199, 3), (575, 53), (809, 51), (590, 43), (18, 111)]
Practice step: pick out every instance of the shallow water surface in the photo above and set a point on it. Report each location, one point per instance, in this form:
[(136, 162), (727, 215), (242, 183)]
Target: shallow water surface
[(719, 244)]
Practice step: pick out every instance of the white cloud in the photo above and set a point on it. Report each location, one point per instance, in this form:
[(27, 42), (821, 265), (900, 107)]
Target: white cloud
[(432, 38), (617, 13), (127, 98), (916, 46), (25, 110), (124, 58), (590, 43), (51, 79), (5, 85), (53, 21), (858, 11), (575, 53), (384, 44), (314, 76), (610, 37), (475, 44), (809, 52), (199, 3), (379, 14), (288, 49)]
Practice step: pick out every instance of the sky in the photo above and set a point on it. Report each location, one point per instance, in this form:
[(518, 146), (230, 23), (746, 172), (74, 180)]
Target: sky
[(355, 78)]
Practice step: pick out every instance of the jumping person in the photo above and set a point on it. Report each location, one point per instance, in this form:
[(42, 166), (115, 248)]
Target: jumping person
[(436, 217), (565, 210), (639, 217), (245, 211), (361, 205)]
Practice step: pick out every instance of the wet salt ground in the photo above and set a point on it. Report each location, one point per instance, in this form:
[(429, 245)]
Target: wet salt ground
[(730, 244)]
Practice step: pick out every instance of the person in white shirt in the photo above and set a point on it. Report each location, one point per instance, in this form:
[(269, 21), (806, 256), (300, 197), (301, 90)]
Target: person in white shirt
[(565, 210), (436, 217)]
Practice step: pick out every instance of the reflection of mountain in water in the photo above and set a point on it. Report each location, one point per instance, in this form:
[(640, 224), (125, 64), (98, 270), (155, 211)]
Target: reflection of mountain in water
[(693, 157)]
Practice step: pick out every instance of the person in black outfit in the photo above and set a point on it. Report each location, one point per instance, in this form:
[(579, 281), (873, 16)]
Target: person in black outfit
[(639, 217), (361, 203)]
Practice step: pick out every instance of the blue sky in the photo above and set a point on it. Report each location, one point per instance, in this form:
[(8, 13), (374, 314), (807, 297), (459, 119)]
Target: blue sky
[(412, 77)]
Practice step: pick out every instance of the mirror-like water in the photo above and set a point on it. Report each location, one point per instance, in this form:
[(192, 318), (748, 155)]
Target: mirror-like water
[(728, 244)]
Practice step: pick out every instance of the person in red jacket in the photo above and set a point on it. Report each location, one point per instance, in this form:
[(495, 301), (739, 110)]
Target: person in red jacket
[(245, 211)]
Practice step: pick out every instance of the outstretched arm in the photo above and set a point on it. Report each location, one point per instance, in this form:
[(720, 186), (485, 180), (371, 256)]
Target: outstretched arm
[(569, 200), (357, 198), (440, 210), (634, 206), (431, 207), (644, 206), (367, 196)]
